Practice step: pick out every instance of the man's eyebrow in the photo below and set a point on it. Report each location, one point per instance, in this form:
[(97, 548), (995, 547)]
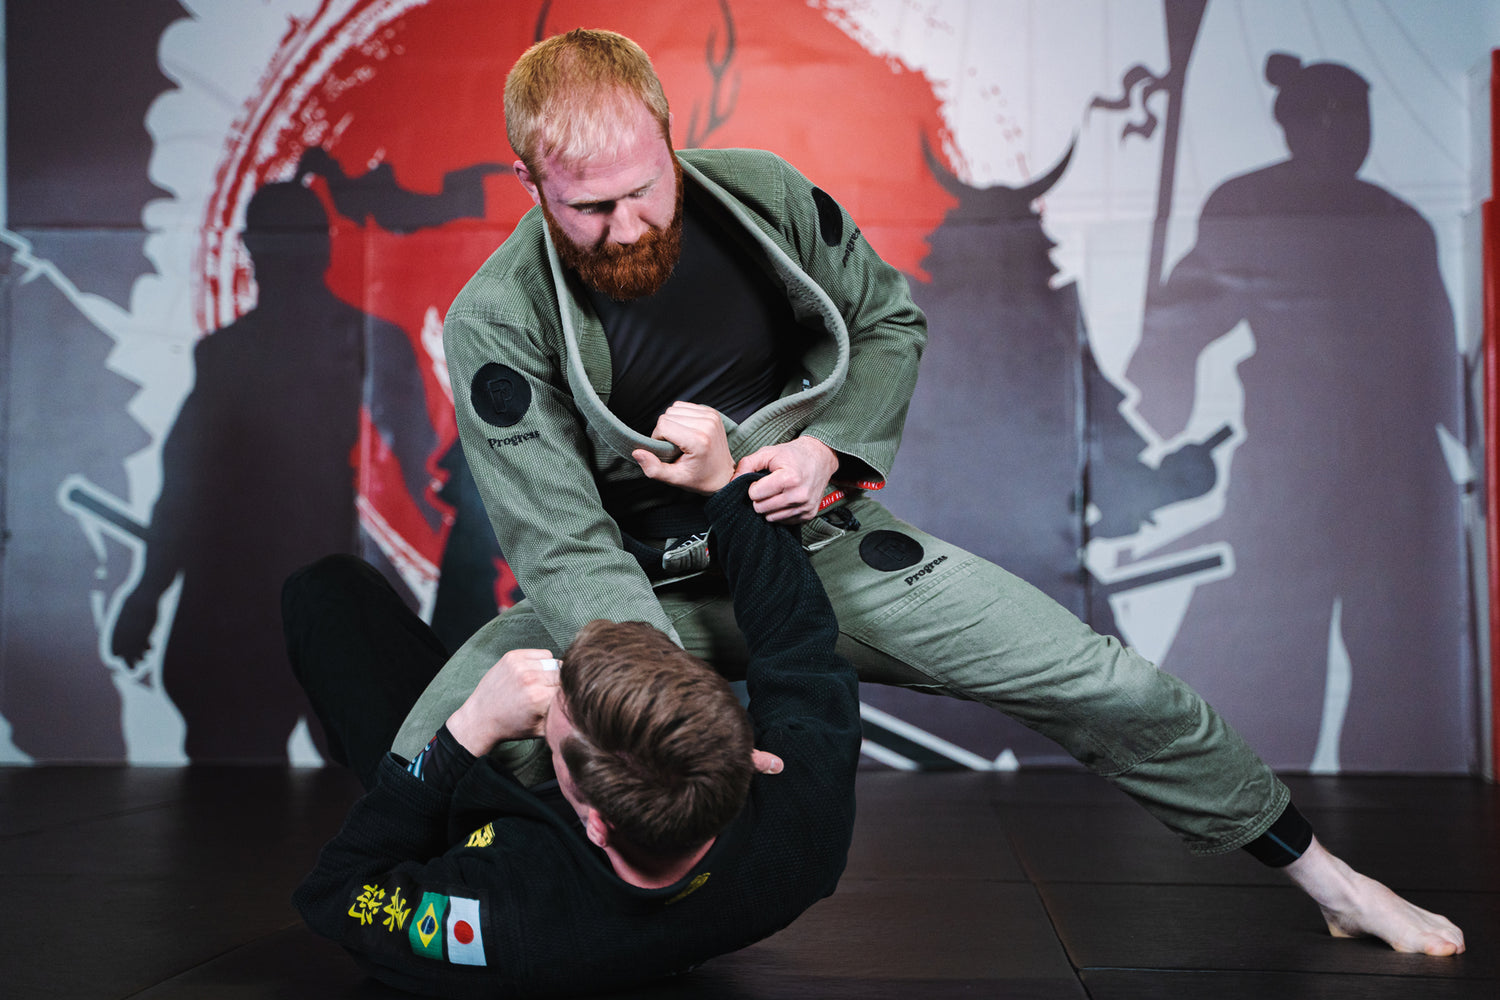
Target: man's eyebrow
[(593, 202)]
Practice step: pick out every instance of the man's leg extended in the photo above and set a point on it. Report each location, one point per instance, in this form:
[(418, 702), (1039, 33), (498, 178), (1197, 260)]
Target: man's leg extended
[(920, 608), (975, 631)]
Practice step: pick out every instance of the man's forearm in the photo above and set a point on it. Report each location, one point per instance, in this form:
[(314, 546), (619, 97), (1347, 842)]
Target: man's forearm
[(532, 473), (778, 599)]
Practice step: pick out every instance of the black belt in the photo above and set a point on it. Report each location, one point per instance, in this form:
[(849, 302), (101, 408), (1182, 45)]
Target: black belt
[(673, 520)]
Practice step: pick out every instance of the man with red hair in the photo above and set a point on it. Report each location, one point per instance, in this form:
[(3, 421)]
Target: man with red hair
[(727, 278)]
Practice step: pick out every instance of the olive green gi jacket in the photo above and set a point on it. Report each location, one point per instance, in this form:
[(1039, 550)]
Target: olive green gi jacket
[(530, 370)]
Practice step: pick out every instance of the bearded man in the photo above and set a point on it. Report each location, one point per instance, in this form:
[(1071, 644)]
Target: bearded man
[(726, 278)]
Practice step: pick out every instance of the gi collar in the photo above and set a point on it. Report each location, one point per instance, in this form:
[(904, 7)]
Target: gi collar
[(771, 424)]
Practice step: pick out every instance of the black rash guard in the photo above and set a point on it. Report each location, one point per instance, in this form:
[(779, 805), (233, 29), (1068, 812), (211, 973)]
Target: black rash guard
[(715, 333)]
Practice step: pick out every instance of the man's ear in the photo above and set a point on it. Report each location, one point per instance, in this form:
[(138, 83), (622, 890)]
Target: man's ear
[(524, 175), (596, 828)]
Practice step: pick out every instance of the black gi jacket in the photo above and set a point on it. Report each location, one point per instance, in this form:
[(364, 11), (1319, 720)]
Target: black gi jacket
[(489, 892)]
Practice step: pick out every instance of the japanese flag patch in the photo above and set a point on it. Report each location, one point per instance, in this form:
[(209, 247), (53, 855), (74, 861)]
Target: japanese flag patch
[(465, 943)]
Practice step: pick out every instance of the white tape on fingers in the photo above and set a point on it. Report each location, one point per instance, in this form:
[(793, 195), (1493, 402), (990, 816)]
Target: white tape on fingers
[(549, 664)]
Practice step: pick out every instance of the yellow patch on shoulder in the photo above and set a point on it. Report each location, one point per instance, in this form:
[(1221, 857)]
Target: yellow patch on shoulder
[(692, 887)]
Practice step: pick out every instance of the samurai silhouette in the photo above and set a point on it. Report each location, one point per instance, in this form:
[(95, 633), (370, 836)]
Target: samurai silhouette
[(1339, 500), (258, 480), (1012, 404)]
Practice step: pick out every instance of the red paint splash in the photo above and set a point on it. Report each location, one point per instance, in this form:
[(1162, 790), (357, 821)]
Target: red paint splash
[(423, 91)]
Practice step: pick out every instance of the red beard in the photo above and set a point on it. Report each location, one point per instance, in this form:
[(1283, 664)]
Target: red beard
[(624, 272)]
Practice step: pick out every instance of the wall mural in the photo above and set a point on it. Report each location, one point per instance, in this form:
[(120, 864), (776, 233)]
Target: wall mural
[(1190, 269)]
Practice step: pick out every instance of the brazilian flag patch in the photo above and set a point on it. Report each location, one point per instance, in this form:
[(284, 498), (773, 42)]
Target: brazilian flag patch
[(426, 932)]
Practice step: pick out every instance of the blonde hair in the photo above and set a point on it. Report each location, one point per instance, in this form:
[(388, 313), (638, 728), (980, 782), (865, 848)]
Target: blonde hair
[(566, 96)]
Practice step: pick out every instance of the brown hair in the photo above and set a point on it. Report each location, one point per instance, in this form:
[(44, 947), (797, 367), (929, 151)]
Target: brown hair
[(661, 745), (566, 96)]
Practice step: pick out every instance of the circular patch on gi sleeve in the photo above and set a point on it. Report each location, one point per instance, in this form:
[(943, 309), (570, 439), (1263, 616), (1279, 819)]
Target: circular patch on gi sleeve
[(889, 551), (830, 218), (500, 395)]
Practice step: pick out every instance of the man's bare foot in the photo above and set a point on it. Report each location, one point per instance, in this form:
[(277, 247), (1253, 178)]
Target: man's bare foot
[(1354, 905)]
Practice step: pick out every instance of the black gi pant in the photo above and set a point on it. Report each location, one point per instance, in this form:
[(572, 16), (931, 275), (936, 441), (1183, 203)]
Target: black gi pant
[(360, 653)]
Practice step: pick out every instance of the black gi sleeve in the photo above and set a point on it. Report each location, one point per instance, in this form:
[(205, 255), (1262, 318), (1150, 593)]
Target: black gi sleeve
[(392, 889), (794, 678), (442, 762)]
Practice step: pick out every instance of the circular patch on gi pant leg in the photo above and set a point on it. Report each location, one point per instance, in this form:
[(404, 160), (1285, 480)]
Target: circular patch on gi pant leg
[(889, 551), (830, 219), (500, 395)]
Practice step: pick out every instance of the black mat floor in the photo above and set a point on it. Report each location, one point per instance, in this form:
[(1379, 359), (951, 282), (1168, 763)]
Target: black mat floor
[(173, 884)]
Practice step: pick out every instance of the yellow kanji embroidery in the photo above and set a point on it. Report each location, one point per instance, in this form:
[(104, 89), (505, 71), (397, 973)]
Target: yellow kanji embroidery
[(368, 904), (396, 912), (482, 837)]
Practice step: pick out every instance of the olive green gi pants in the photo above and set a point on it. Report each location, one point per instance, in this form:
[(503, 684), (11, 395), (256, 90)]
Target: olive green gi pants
[(918, 612)]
